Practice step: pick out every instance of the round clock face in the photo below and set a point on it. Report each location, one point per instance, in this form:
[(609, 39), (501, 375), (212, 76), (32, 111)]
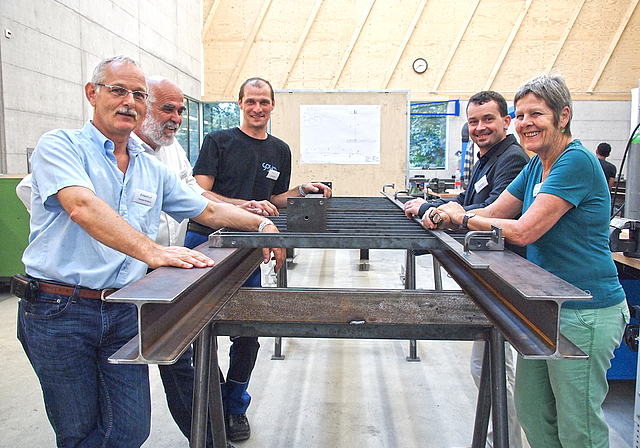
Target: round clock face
[(420, 65)]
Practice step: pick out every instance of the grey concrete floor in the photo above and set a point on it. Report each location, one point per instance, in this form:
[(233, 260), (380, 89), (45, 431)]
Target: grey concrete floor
[(325, 393)]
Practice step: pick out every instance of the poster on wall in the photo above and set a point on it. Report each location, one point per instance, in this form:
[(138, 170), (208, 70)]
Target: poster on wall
[(340, 134)]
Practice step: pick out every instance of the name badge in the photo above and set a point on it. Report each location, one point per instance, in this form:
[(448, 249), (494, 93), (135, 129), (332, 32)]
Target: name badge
[(536, 189), (144, 197), (273, 174), (481, 184)]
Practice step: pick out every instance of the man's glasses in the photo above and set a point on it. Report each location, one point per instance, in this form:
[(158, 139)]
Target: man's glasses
[(121, 92)]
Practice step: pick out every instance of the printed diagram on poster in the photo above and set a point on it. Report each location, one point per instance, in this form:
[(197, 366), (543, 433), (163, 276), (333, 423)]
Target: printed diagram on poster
[(340, 134)]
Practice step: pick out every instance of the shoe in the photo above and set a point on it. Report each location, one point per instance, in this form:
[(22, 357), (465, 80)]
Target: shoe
[(237, 427)]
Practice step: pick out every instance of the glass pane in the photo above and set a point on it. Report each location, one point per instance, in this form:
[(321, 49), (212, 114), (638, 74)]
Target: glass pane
[(428, 136), (218, 116), (194, 132)]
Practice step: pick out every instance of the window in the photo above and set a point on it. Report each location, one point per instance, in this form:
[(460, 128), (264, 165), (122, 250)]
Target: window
[(219, 116), (189, 134), (428, 134)]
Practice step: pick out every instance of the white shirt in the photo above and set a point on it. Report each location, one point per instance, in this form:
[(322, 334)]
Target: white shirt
[(171, 232)]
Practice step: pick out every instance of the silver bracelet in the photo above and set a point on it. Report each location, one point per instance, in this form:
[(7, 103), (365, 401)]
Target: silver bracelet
[(302, 193), (264, 224)]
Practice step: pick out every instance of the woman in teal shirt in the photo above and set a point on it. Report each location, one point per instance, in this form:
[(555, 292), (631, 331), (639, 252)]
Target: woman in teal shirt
[(564, 200)]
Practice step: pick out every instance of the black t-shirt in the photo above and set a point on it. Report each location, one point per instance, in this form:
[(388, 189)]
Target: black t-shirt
[(609, 169), (244, 167)]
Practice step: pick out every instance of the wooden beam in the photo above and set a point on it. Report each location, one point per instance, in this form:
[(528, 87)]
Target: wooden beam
[(456, 44), (209, 19), (248, 43), (403, 44), (507, 44), (303, 36), (563, 38), (352, 43), (612, 45)]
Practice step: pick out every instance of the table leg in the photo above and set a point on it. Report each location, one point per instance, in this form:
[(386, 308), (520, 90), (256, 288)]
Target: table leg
[(410, 283), (499, 391), (483, 408)]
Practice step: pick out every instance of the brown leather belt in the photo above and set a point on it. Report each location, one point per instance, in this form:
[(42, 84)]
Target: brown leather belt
[(85, 293)]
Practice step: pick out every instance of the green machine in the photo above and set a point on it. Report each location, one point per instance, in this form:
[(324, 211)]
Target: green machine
[(14, 222)]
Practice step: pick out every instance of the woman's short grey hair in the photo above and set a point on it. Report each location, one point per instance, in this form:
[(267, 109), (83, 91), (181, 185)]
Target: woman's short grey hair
[(99, 75), (553, 90)]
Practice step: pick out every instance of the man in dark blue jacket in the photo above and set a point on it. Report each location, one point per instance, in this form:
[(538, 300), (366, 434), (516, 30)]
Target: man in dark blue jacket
[(500, 160), (500, 157)]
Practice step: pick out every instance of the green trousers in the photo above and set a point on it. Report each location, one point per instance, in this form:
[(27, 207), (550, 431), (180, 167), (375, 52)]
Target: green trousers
[(559, 402)]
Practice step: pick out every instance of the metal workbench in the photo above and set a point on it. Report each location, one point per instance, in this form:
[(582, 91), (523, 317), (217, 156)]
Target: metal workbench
[(520, 301)]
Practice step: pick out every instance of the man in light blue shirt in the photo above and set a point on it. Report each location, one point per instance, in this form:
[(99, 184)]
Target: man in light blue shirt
[(96, 204)]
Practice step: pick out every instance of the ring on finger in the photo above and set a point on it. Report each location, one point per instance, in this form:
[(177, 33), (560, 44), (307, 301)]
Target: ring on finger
[(435, 218)]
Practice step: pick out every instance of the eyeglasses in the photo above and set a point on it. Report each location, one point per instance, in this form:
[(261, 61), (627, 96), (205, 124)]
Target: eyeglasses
[(121, 92)]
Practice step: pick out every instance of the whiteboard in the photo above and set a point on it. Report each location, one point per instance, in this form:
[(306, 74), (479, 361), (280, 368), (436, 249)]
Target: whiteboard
[(340, 134), (349, 179)]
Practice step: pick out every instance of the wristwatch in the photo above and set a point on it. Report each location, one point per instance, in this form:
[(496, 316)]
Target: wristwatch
[(467, 217)]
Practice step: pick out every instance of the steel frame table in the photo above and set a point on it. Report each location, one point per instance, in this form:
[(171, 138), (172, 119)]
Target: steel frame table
[(520, 300)]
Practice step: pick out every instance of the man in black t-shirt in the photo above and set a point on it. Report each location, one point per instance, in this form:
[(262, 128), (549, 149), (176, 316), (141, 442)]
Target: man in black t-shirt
[(239, 165), (602, 152)]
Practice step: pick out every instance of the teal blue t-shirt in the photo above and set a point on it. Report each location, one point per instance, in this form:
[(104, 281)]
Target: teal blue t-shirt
[(576, 248)]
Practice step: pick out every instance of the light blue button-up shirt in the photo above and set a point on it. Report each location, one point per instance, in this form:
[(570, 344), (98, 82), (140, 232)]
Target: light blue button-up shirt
[(60, 249)]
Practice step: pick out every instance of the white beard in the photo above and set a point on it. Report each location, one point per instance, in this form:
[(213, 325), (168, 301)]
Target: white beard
[(152, 128)]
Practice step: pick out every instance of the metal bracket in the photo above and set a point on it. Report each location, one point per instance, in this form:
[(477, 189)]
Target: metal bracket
[(479, 240), (395, 196), (307, 214)]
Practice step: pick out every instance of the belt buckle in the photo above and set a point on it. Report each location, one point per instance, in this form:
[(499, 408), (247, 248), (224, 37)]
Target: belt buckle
[(107, 292)]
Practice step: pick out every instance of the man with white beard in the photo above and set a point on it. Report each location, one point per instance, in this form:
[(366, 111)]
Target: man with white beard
[(157, 134)]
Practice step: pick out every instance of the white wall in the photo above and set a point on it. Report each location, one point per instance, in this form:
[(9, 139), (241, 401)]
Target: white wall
[(55, 45)]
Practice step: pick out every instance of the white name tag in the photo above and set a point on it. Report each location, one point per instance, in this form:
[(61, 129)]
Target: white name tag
[(273, 174), (481, 184), (144, 198), (536, 189)]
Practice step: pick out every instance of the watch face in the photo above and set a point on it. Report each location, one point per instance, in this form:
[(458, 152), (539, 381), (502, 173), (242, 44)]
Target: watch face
[(420, 65)]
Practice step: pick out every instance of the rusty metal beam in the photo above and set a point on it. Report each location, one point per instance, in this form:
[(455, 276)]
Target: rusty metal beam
[(364, 314), (174, 305)]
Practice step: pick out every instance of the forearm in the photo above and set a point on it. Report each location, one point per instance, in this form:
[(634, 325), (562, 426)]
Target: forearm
[(215, 197), (218, 215)]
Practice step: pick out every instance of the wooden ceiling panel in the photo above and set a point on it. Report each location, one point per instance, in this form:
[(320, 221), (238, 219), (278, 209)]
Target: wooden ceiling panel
[(533, 48), (623, 68), (589, 40), (377, 45), (469, 44), (481, 45), (327, 41)]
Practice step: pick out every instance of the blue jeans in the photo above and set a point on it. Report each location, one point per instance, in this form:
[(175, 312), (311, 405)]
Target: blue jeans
[(89, 401), (559, 401), (177, 378)]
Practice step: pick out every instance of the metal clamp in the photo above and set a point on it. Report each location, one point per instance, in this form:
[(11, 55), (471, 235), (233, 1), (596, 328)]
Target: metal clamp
[(395, 196), (496, 242)]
